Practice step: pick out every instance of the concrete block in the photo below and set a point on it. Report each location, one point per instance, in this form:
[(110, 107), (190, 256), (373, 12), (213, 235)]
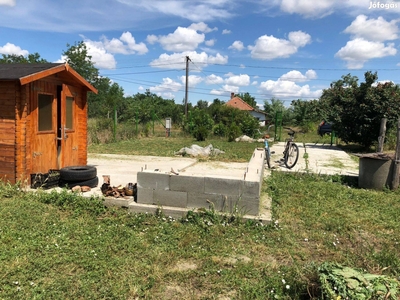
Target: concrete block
[(241, 205), (223, 186), (170, 198), (120, 202), (144, 196), (249, 207), (251, 188), (193, 184), (153, 180), (142, 208), (202, 200), (174, 212)]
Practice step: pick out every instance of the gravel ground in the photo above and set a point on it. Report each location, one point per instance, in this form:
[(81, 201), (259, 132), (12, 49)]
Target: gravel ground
[(322, 159)]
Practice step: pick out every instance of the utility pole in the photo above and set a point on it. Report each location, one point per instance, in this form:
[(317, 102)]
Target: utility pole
[(187, 85)]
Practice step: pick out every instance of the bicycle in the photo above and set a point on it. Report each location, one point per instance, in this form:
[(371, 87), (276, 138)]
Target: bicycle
[(268, 151), (291, 152)]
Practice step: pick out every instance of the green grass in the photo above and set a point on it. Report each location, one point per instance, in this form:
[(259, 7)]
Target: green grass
[(62, 246), (162, 146)]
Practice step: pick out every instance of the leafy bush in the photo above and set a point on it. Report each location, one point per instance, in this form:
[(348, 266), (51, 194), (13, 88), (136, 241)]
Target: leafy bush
[(248, 124), (233, 132), (202, 124), (220, 130)]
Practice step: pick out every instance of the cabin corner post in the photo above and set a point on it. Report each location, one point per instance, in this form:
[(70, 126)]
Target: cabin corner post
[(21, 133)]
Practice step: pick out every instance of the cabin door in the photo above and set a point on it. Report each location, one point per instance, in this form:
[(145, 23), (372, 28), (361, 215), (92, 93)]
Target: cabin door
[(67, 146), (44, 128), (54, 123)]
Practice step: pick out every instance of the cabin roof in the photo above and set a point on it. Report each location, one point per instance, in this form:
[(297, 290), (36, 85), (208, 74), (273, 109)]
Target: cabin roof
[(26, 72)]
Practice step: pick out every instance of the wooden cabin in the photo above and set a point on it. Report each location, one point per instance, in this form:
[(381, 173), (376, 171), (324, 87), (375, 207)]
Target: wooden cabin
[(43, 119)]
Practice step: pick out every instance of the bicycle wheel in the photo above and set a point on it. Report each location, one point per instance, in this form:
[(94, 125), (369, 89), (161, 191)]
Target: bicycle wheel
[(291, 156), (268, 158)]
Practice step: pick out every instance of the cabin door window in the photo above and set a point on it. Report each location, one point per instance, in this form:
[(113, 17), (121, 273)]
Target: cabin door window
[(45, 103)]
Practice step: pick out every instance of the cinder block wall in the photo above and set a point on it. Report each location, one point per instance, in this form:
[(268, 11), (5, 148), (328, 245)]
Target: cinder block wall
[(224, 194)]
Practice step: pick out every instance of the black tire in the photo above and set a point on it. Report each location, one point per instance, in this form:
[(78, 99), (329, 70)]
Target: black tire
[(90, 183), (78, 173), (291, 156), (268, 158)]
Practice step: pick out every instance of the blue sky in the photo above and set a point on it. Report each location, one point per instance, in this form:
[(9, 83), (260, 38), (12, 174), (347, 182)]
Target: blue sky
[(287, 49)]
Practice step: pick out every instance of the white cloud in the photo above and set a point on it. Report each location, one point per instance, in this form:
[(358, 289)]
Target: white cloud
[(309, 9), (167, 86), (237, 45), (268, 47), (296, 76), (193, 80), (196, 11), (13, 49), (202, 27), (210, 43), (214, 79), (102, 51), (287, 89), (183, 39), (322, 8), (8, 2), (126, 44), (359, 51), (226, 90), (152, 39), (178, 60), (238, 80), (100, 57), (226, 31), (373, 29)]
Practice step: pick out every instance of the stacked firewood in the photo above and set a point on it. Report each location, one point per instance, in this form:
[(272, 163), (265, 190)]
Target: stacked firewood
[(118, 191)]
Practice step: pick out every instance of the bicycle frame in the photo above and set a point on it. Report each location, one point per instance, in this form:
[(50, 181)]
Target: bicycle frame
[(291, 152)]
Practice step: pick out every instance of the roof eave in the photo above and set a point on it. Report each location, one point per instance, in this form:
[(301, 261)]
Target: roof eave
[(39, 75), (57, 69), (82, 80)]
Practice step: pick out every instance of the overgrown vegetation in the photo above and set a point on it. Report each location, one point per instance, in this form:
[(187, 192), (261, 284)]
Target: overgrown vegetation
[(356, 109), (62, 246)]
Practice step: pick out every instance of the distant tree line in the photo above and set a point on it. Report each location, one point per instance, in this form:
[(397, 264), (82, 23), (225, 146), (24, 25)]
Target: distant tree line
[(354, 109)]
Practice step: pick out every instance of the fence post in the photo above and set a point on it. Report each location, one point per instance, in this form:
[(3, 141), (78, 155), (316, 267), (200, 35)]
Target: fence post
[(396, 169), (278, 126), (137, 122), (381, 138)]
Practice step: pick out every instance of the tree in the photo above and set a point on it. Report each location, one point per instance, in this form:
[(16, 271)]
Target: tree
[(202, 104), (271, 107), (20, 59), (305, 112), (246, 97), (202, 124), (357, 109), (78, 58)]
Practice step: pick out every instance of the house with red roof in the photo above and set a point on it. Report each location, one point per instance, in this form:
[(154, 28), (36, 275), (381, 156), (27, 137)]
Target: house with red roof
[(239, 103)]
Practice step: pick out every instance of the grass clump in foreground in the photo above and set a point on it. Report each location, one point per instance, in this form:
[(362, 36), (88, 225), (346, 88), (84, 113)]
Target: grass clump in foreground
[(53, 248)]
